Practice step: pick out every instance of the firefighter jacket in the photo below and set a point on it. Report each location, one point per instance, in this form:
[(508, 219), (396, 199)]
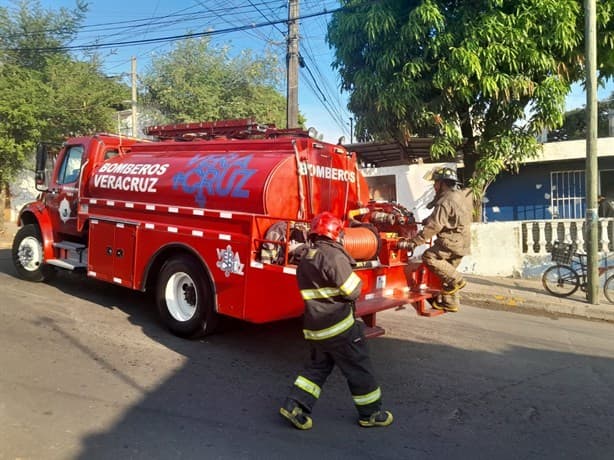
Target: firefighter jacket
[(450, 221), (329, 287)]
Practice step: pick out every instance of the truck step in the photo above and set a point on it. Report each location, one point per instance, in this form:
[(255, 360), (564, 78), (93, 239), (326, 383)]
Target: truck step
[(66, 264), (69, 245), (73, 254)]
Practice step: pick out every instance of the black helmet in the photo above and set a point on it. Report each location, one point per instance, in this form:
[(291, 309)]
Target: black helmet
[(447, 174)]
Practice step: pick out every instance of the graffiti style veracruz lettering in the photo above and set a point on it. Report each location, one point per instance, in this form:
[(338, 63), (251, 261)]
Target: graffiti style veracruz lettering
[(215, 175)]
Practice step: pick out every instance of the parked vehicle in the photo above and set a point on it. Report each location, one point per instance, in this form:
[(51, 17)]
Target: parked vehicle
[(187, 216)]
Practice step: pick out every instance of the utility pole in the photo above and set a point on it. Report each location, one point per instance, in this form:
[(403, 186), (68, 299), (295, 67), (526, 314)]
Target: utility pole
[(292, 66), (133, 99), (592, 218)]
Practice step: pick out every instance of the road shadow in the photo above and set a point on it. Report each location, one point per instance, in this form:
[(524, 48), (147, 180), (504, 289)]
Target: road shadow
[(523, 403), (448, 402)]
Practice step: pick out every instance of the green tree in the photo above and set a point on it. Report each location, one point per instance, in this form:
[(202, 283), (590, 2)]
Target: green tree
[(46, 93), (196, 82), (81, 99), (484, 75), (574, 124)]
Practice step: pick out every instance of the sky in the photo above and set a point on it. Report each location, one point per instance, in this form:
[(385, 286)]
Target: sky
[(320, 98)]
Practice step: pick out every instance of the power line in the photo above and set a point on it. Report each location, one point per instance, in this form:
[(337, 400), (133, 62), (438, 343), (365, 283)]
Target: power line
[(264, 16), (315, 80), (130, 24), (168, 38)]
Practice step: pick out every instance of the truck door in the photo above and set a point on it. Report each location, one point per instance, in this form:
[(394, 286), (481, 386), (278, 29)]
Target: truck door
[(63, 194)]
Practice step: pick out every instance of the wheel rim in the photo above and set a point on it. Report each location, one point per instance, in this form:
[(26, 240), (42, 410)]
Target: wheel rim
[(30, 254), (181, 296)]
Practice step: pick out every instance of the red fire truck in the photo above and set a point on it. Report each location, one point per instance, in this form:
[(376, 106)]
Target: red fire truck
[(189, 217)]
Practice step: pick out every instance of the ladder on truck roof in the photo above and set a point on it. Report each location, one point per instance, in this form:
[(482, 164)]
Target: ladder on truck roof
[(243, 128)]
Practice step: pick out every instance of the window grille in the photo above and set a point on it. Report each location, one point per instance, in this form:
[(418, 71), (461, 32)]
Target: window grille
[(568, 194)]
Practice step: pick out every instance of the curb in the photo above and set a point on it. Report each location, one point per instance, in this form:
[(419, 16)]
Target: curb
[(521, 303)]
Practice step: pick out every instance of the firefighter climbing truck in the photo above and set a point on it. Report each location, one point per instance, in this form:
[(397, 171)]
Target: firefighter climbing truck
[(186, 216)]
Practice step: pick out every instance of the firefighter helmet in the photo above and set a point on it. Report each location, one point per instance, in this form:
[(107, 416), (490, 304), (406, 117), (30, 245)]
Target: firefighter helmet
[(326, 224), (445, 173)]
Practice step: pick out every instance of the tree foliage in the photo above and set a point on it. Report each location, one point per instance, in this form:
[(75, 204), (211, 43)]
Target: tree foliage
[(47, 94), (574, 124), (197, 82), (484, 75)]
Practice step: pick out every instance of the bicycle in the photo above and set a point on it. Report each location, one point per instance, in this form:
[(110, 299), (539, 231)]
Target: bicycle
[(570, 272)]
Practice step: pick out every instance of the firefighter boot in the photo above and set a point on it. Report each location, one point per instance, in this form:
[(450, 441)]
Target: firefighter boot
[(379, 418), (446, 302), (453, 287), (292, 411)]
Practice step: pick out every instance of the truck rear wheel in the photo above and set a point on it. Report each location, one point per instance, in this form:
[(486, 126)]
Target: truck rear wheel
[(184, 298), (28, 254)]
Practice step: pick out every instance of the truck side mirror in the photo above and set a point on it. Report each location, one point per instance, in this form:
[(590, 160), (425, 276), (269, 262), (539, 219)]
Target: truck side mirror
[(40, 178)]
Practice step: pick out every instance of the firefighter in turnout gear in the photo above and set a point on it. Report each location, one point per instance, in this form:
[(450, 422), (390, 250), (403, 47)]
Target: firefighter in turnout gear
[(450, 222), (329, 287)]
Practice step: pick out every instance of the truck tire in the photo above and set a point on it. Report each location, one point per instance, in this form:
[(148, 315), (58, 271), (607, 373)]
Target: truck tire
[(27, 254), (184, 298)]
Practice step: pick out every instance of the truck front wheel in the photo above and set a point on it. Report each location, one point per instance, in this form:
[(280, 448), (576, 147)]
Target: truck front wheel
[(184, 298), (28, 254)]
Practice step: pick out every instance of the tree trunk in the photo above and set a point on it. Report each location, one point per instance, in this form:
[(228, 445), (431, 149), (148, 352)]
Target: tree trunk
[(3, 189), (470, 159)]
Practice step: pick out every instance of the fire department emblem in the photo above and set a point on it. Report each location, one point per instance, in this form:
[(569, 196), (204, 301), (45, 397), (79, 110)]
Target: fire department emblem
[(64, 210), (228, 261)]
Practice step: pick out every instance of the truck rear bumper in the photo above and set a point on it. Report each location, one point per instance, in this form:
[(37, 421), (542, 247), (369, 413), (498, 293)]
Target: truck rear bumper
[(420, 300)]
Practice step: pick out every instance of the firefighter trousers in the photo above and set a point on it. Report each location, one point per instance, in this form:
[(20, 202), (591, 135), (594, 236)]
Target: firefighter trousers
[(443, 263), (351, 354)]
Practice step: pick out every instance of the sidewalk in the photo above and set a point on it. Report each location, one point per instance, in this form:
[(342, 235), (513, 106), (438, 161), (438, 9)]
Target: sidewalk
[(529, 296), (501, 293)]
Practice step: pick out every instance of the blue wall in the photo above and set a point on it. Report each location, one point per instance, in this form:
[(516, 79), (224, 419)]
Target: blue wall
[(526, 195)]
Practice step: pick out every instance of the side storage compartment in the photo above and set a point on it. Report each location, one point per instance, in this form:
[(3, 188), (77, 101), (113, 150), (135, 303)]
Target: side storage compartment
[(111, 251)]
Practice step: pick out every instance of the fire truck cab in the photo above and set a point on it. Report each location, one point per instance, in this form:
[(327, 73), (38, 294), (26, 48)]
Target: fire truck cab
[(207, 217)]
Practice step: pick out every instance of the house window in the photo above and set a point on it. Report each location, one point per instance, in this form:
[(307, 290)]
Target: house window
[(568, 194), (382, 188)]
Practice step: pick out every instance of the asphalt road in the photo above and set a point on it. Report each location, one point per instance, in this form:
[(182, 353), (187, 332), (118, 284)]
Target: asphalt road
[(87, 372)]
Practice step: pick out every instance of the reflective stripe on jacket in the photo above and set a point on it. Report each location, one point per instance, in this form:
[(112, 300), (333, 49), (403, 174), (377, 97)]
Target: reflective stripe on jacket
[(328, 286)]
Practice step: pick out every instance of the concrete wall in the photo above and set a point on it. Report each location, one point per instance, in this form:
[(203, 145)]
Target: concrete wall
[(22, 191), (496, 250)]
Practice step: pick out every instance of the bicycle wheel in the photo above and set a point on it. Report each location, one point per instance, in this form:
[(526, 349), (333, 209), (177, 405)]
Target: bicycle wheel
[(608, 289), (561, 280)]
